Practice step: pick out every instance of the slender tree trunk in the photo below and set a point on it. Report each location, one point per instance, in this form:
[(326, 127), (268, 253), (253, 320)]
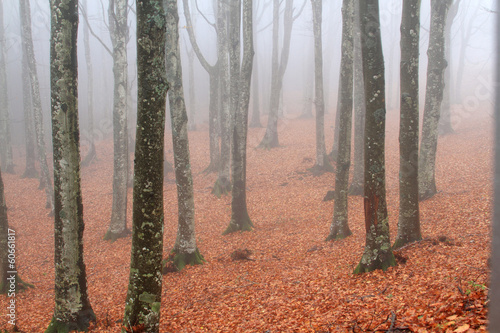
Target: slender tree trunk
[(409, 220), (5, 232), (142, 307), (91, 153), (322, 163), (270, 139), (356, 187), (377, 253), (241, 83), (185, 248), (433, 98), (309, 77), (119, 30), (5, 140), (339, 228), (72, 306), (30, 171), (45, 179), (255, 121), (192, 92)]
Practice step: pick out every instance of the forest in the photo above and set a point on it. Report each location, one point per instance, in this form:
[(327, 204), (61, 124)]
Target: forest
[(249, 166)]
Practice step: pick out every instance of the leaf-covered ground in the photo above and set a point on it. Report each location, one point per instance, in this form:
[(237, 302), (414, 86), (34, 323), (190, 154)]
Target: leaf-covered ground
[(295, 281)]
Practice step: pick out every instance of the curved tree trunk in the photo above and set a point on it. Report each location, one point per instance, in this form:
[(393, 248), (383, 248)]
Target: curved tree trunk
[(142, 307), (240, 84), (409, 220), (433, 98), (72, 306), (377, 253), (45, 179), (339, 228), (185, 248)]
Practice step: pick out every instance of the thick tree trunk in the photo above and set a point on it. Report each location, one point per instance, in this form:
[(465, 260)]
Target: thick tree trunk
[(185, 248), (30, 170), (433, 98), (45, 179), (377, 253), (142, 307), (270, 139), (356, 187), (5, 139), (119, 33), (72, 307), (409, 220), (240, 83), (339, 228)]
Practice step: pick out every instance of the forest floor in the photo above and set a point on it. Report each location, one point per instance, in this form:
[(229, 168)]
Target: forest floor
[(295, 281)]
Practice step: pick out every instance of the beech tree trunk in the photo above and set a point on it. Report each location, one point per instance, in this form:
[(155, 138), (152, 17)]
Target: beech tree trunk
[(185, 248), (142, 307), (433, 98), (409, 219), (5, 139), (356, 187), (45, 179), (255, 121), (29, 135), (72, 306), (240, 84), (339, 228), (378, 253)]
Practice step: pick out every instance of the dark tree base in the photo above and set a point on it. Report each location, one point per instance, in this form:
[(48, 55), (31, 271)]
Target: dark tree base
[(318, 170), (339, 233), (378, 263), (445, 130), (81, 323), (91, 156), (113, 237), (427, 194), (400, 242), (20, 285), (356, 189), (222, 186), (30, 173), (329, 196), (213, 167), (244, 224), (10, 169), (269, 142), (181, 260), (333, 155)]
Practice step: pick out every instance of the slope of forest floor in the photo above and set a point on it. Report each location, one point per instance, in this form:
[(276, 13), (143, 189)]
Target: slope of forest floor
[(295, 281)]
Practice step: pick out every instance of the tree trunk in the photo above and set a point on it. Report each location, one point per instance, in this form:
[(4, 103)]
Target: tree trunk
[(91, 153), (270, 139), (339, 228), (356, 187), (119, 31), (6, 282), (45, 179), (5, 140), (30, 171), (72, 306), (241, 83), (142, 307), (185, 248), (192, 92), (409, 220), (433, 98), (377, 253), (255, 121), (309, 77)]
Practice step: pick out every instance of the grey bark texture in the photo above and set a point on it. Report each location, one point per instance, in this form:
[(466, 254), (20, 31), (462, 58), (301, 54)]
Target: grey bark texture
[(45, 179), (185, 248), (378, 253), (241, 83), (339, 228), (433, 98), (29, 134), (409, 218), (213, 73), (356, 187), (142, 307), (494, 291), (278, 68), (117, 12), (72, 306), (5, 138)]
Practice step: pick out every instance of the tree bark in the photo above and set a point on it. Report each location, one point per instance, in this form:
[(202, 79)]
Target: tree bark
[(142, 307), (72, 306), (339, 228), (409, 219), (5, 138), (255, 121), (356, 187), (29, 135), (377, 253), (185, 248), (241, 83), (117, 12), (433, 98), (45, 179)]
